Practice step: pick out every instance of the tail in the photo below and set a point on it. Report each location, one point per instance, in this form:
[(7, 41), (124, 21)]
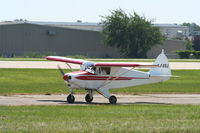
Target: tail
[(164, 70)]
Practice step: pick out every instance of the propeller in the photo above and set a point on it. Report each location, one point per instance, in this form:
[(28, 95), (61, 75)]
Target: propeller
[(61, 70), (65, 76)]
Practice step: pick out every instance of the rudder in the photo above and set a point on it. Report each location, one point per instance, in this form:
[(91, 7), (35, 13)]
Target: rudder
[(163, 69)]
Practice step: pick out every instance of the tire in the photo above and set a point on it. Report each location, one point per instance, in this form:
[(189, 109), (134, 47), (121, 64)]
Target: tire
[(70, 98), (113, 99), (88, 99)]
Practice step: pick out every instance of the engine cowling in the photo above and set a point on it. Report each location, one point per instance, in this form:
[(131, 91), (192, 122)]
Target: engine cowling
[(67, 77)]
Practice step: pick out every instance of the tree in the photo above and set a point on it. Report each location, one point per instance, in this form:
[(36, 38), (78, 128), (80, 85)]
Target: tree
[(132, 34), (188, 44), (192, 26), (20, 20)]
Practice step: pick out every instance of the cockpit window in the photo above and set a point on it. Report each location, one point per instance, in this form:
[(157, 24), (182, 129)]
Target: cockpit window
[(103, 70), (89, 67)]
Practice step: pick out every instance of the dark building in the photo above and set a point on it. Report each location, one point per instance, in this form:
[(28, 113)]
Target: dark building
[(19, 39), (66, 39)]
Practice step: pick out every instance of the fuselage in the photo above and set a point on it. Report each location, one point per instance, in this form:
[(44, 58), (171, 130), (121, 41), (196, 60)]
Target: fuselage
[(116, 78)]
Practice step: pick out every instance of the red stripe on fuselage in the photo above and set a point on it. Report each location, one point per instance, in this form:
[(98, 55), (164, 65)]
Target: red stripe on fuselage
[(106, 78)]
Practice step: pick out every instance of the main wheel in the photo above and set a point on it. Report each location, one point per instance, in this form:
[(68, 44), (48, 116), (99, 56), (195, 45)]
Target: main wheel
[(70, 98), (88, 99), (113, 99)]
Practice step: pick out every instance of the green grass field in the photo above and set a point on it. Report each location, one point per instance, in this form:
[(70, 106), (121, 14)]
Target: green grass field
[(136, 118), (48, 81)]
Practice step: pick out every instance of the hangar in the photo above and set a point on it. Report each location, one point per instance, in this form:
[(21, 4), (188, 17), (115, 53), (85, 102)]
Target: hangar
[(67, 39), (20, 38)]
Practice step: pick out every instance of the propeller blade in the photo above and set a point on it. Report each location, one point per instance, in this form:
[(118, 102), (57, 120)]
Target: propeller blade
[(61, 70)]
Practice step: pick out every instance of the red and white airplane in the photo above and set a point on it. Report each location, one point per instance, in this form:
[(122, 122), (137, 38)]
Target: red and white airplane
[(102, 76)]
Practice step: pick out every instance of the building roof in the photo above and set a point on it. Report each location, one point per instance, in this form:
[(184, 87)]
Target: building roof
[(81, 25), (6, 23), (61, 23), (73, 25), (169, 25)]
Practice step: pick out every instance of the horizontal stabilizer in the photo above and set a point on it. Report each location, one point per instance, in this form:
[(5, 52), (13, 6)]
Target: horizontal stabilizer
[(165, 76)]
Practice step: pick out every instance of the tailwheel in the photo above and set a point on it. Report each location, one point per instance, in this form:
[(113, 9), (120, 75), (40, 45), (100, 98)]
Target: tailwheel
[(113, 99), (70, 98), (88, 99)]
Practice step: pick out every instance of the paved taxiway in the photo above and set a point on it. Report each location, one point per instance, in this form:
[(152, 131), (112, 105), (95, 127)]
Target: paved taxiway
[(53, 64), (98, 99)]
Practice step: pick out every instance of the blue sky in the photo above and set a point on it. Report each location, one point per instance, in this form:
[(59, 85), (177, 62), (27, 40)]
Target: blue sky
[(168, 11)]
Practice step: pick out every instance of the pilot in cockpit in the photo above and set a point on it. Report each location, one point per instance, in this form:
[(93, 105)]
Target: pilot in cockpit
[(89, 67)]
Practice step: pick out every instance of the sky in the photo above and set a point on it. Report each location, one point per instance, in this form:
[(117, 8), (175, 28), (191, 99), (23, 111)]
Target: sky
[(161, 11)]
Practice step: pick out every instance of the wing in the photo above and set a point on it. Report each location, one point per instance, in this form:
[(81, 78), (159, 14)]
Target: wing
[(121, 64), (64, 59), (100, 64)]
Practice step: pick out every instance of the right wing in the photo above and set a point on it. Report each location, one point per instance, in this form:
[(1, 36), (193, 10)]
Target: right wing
[(121, 64), (64, 59)]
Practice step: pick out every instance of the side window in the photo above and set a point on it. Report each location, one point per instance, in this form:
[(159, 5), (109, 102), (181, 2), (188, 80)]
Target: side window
[(103, 70)]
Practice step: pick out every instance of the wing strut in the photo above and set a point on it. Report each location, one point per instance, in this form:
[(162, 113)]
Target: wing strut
[(69, 66)]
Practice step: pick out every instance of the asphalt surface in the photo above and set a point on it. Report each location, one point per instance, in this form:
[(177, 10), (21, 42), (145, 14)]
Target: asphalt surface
[(16, 100), (53, 64)]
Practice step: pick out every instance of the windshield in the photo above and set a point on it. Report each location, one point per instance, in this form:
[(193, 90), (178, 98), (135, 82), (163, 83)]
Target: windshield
[(89, 67)]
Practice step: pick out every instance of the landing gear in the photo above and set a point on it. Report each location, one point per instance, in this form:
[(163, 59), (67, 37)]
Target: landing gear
[(70, 98), (105, 92), (88, 98), (113, 99)]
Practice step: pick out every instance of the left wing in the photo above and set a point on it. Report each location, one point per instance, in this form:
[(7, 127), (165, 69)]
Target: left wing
[(64, 59), (99, 64), (121, 64)]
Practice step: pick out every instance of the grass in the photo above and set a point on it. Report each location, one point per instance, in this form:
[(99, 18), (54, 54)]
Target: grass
[(39, 81), (102, 60), (136, 118), (48, 81), (22, 59)]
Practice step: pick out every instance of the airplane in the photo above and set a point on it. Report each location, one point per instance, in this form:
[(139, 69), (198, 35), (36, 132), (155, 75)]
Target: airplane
[(102, 76)]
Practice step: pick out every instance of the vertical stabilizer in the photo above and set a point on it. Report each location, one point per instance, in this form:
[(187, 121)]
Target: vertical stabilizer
[(163, 69)]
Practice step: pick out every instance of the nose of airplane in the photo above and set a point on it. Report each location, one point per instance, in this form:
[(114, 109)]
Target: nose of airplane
[(65, 77)]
